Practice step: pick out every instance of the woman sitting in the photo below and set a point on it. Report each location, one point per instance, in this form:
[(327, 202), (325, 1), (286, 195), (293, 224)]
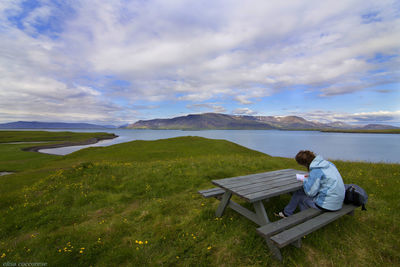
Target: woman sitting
[(323, 188)]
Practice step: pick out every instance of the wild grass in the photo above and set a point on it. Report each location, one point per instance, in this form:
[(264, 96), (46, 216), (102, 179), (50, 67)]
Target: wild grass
[(380, 131), (44, 136), (136, 204)]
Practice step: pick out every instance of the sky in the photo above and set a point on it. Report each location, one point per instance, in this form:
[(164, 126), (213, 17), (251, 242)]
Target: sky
[(119, 61)]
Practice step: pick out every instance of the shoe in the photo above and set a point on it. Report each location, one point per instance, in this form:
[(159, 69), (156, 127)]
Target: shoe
[(280, 214)]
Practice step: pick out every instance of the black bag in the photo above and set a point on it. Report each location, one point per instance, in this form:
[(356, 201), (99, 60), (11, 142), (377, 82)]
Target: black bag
[(355, 195)]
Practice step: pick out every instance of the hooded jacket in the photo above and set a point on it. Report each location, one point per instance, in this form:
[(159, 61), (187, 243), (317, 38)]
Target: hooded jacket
[(325, 184)]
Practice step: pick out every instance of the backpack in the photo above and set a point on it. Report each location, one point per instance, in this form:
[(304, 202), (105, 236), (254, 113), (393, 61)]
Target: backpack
[(355, 195)]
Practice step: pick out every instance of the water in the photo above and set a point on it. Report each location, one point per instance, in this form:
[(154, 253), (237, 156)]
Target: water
[(342, 146)]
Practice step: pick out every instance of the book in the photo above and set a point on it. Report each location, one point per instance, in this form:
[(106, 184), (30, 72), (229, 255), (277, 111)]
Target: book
[(301, 177)]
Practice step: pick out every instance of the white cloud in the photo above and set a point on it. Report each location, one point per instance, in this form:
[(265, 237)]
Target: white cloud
[(243, 99), (190, 51), (381, 117), (207, 107), (244, 111)]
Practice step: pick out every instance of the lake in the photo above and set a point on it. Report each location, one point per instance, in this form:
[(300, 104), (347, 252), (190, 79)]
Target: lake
[(341, 146)]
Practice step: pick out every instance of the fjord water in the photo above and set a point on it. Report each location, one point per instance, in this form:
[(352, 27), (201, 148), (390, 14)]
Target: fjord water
[(339, 146)]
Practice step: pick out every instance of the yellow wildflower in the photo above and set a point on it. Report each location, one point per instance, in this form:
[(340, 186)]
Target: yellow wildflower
[(3, 255), (209, 247)]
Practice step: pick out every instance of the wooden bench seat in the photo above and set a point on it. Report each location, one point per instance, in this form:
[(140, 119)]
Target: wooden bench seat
[(212, 192), (290, 230)]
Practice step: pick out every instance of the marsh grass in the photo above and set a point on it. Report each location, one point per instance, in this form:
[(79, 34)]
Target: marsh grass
[(137, 204), (374, 131)]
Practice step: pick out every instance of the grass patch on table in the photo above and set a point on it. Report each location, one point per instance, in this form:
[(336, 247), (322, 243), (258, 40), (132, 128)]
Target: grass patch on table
[(137, 204)]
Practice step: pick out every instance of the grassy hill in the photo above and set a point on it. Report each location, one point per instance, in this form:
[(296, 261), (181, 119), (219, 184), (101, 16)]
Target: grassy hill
[(136, 204)]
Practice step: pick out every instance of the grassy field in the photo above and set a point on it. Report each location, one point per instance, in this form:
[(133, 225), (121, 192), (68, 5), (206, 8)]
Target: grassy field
[(383, 131), (136, 204)]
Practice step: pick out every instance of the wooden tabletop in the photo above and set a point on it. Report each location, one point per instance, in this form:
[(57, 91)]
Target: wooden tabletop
[(261, 186)]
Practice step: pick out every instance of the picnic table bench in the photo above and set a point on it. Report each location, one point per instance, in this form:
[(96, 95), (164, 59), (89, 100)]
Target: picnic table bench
[(291, 229), (255, 189)]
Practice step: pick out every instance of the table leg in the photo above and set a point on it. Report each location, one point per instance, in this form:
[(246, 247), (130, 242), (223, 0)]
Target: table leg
[(261, 213), (224, 202)]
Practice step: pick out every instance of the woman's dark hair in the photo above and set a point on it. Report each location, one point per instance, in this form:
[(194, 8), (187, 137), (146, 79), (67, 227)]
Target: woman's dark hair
[(305, 157)]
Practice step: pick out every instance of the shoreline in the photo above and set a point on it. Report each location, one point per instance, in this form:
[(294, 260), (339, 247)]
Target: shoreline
[(90, 141)]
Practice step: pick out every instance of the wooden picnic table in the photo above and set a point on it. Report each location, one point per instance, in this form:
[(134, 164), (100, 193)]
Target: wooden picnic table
[(254, 189)]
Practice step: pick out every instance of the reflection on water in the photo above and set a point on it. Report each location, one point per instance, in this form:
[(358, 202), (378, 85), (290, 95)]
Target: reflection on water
[(344, 146)]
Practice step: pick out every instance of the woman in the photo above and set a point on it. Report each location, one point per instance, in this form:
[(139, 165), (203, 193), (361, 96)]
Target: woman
[(323, 189)]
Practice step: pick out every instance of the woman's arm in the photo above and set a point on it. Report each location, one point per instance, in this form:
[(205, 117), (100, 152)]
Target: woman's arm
[(312, 184)]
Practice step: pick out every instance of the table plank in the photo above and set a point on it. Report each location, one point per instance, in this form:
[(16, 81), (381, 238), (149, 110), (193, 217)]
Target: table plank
[(284, 238), (268, 193), (261, 183), (266, 178), (238, 179), (261, 187)]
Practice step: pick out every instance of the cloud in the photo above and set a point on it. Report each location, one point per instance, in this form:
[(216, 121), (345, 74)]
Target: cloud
[(244, 111), (205, 107), (239, 48), (243, 99), (66, 56), (381, 117)]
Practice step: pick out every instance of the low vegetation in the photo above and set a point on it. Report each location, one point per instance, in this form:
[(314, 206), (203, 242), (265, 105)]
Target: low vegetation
[(46, 137), (136, 204), (380, 131)]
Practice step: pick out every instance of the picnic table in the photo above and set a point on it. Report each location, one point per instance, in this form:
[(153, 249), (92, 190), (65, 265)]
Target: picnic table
[(259, 187), (255, 189)]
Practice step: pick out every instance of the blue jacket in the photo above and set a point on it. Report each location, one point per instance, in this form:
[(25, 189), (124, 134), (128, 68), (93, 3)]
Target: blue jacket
[(324, 184)]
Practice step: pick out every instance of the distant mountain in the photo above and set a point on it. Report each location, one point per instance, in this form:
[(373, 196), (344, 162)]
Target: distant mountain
[(202, 121), (123, 126), (378, 127), (340, 125), (289, 122), (224, 121), (51, 125)]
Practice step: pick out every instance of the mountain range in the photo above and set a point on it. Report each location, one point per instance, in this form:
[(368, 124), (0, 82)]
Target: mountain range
[(224, 121), (207, 121), (51, 125)]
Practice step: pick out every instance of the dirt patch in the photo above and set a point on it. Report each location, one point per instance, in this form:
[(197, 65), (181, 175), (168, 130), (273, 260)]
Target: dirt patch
[(5, 173)]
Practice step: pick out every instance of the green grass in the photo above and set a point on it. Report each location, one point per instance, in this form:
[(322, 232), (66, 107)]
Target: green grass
[(43, 136), (382, 131), (137, 204)]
